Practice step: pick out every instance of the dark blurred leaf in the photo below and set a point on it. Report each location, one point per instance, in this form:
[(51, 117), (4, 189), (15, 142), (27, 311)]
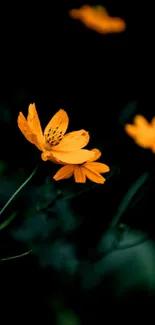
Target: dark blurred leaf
[(67, 317), (45, 195), (60, 255), (47, 222), (36, 228), (65, 214), (120, 238), (3, 166), (128, 263), (127, 113), (5, 113)]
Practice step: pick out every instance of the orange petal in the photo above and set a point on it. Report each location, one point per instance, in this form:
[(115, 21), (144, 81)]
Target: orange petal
[(97, 154), (86, 14), (84, 11), (146, 139), (131, 130), (73, 141), (90, 13), (64, 172), (27, 131), (24, 127), (93, 176), (109, 25), (58, 123), (112, 25), (97, 167), (33, 120), (70, 157), (74, 13), (143, 137), (101, 10), (98, 19), (141, 121), (79, 174), (45, 156)]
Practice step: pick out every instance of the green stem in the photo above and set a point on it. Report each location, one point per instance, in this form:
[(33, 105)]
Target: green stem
[(18, 190), (71, 196), (127, 199), (7, 221), (16, 256)]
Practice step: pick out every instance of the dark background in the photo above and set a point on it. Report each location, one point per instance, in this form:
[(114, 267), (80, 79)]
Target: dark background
[(56, 62)]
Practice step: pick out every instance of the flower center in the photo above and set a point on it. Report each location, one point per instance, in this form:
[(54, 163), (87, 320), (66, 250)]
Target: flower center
[(53, 137)]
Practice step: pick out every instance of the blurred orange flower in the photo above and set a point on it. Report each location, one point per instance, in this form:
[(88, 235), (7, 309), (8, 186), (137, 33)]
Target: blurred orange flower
[(55, 145), (142, 132), (90, 169), (98, 19)]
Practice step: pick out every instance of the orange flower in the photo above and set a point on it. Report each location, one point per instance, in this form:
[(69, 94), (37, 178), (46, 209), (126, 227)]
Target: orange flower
[(89, 169), (98, 19), (142, 132), (54, 143)]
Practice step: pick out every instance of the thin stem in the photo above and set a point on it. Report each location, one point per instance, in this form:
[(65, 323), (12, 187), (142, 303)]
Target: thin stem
[(18, 190), (70, 196), (127, 198), (16, 256), (7, 221)]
